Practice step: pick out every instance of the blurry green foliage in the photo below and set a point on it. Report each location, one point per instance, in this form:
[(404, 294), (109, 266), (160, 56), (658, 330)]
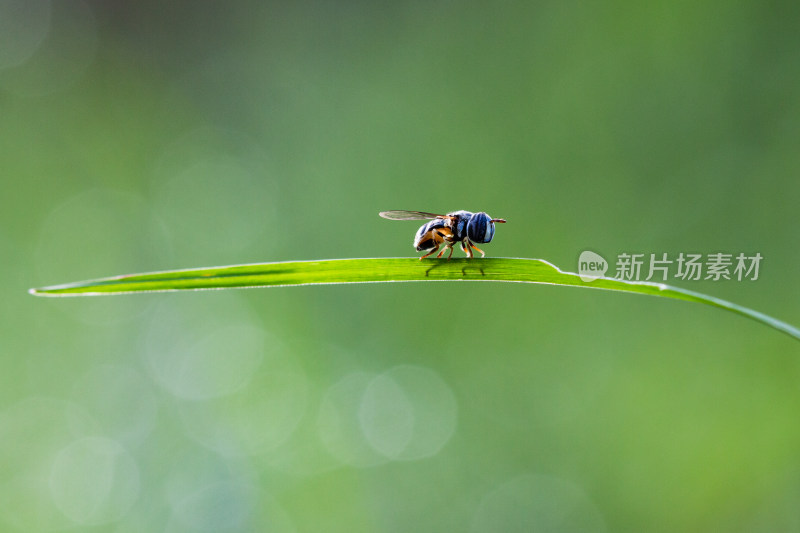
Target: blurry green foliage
[(140, 136)]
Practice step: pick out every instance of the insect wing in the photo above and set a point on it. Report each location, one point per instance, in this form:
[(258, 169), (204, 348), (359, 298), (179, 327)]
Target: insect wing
[(408, 215)]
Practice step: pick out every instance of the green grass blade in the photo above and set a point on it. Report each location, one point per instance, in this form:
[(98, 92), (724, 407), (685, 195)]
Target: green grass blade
[(384, 270)]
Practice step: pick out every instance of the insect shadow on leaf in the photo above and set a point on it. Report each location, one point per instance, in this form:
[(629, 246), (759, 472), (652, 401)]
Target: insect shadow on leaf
[(466, 267)]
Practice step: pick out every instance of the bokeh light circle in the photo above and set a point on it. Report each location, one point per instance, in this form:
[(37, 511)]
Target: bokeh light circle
[(339, 425), (33, 432), (408, 413), (386, 416), (121, 400), (204, 348), (257, 418), (24, 24), (53, 52), (94, 481)]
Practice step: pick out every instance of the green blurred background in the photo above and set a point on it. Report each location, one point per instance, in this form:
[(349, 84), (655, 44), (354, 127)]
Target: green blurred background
[(139, 136)]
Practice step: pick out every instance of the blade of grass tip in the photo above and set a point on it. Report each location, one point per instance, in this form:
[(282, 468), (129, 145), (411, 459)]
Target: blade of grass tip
[(381, 270)]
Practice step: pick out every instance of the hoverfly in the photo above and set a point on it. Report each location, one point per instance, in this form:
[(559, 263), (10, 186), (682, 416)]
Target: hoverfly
[(459, 226)]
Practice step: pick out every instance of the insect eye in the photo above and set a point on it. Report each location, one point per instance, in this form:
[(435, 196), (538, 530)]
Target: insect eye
[(480, 228)]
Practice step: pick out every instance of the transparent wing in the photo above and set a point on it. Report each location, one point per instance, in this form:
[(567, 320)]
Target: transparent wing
[(408, 215)]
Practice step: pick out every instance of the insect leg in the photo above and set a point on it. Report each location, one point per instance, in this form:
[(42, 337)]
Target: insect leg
[(429, 253), (448, 246), (470, 243), (466, 248)]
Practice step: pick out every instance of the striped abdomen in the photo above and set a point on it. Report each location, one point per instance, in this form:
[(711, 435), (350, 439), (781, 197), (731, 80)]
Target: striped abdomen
[(433, 234)]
